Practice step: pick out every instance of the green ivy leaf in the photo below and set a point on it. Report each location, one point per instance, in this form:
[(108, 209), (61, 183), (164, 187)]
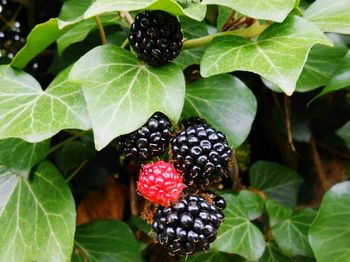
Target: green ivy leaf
[(34, 115), (21, 156), (225, 102), (237, 234), (320, 66), (108, 240), (276, 181), (329, 235), (211, 256), (277, 212), (274, 254), (340, 78), (330, 15), (291, 234), (191, 29), (39, 216), (140, 224), (81, 30), (275, 10), (223, 15), (267, 56), (344, 133), (74, 9), (252, 202), (195, 10), (122, 93)]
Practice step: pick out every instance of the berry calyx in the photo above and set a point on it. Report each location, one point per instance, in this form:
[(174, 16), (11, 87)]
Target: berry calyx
[(156, 37), (160, 183), (148, 141)]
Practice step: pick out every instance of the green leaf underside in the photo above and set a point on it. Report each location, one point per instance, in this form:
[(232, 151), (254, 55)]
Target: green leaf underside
[(330, 15), (340, 78), (276, 181), (194, 11), (237, 234), (122, 93), (105, 240), (279, 53), (225, 102), (344, 133), (321, 63), (275, 10), (37, 213), (274, 254), (291, 234), (253, 203), (21, 156), (329, 235), (28, 112)]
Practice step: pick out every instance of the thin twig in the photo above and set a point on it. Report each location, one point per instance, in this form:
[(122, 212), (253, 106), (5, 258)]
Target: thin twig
[(287, 111), (76, 171), (318, 165), (101, 30), (59, 145), (133, 196), (127, 16), (334, 151), (125, 43), (9, 24), (236, 185)]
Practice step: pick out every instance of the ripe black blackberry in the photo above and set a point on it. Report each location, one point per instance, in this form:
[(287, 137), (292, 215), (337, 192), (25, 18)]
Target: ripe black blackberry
[(149, 140), (201, 153), (156, 37), (188, 226), (193, 121)]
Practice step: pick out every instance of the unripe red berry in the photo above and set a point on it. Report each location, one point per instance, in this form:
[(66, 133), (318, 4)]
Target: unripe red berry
[(160, 183)]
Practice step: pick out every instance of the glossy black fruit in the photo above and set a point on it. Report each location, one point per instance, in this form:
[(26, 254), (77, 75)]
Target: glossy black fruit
[(156, 37)]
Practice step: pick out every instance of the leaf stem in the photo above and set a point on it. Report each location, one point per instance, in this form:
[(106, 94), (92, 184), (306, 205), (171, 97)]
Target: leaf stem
[(125, 43), (76, 171), (287, 112), (59, 145), (249, 32), (101, 30), (127, 16)]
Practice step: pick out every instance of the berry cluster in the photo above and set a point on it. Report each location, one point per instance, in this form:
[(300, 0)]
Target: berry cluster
[(156, 37), (185, 223), (188, 226)]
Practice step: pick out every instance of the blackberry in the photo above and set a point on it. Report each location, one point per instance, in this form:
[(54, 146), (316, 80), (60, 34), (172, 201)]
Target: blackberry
[(148, 141), (156, 37), (193, 121), (188, 226), (201, 153)]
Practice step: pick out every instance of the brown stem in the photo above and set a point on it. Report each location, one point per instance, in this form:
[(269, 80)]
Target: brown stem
[(318, 165), (334, 151), (287, 111), (127, 16), (133, 196), (101, 30), (235, 176)]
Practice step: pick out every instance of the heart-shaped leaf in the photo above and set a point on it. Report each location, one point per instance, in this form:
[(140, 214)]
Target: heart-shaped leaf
[(106, 240), (274, 254), (39, 216), (330, 15), (275, 10), (122, 93), (267, 56), (277, 212), (237, 234), (291, 234), (252, 202), (34, 115), (225, 102), (329, 235), (21, 156), (276, 181)]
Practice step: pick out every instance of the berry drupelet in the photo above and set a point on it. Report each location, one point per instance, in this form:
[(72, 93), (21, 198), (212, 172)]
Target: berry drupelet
[(160, 183), (148, 141), (156, 37), (188, 226), (200, 153)]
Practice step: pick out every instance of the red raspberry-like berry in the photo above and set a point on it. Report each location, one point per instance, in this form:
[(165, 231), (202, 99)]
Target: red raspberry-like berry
[(160, 183)]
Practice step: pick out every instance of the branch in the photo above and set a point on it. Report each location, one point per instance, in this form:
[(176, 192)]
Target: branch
[(254, 30), (287, 109), (101, 30)]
